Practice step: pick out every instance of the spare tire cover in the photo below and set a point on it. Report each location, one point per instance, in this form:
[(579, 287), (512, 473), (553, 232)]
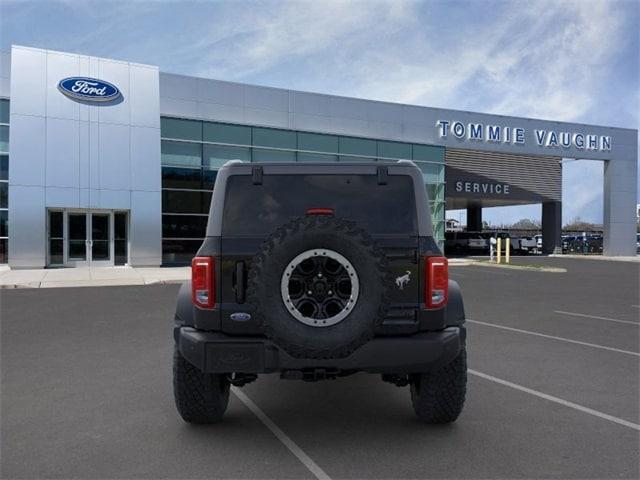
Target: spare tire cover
[(318, 287)]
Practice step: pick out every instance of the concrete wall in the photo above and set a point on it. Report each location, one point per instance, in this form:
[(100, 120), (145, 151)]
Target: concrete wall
[(70, 154)]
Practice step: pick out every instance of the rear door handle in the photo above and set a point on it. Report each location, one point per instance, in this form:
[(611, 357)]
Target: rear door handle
[(240, 281)]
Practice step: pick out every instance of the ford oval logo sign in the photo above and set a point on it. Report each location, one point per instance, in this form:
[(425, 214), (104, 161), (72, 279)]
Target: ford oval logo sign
[(89, 89)]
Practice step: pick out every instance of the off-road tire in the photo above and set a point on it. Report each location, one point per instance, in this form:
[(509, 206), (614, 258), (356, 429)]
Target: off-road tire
[(200, 397), (438, 396), (264, 283)]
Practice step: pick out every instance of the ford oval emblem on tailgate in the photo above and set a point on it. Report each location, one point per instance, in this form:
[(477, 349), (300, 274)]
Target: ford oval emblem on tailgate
[(240, 317)]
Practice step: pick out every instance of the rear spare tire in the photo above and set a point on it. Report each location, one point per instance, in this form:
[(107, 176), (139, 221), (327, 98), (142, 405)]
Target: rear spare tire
[(318, 287)]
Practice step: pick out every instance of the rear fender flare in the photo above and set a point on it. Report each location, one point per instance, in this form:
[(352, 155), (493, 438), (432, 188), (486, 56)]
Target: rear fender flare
[(184, 316), (454, 314)]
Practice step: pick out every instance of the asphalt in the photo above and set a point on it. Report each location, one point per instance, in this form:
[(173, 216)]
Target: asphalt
[(86, 390)]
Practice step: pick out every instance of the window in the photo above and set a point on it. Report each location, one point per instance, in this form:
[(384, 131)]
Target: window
[(4, 111), (4, 139), (358, 146), (181, 153), (317, 143), (348, 158), (179, 251), (271, 137), (394, 150), (184, 201), (176, 177), (120, 243), (209, 179), (254, 210), (4, 220), (316, 157), (263, 155), (182, 129), (4, 167), (193, 151), (224, 133), (215, 156), (428, 153), (4, 195), (184, 226)]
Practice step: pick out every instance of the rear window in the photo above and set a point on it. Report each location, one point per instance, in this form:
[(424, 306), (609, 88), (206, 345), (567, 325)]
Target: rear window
[(260, 209)]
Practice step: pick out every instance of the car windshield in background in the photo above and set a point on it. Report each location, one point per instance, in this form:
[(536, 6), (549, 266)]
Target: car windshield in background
[(259, 209)]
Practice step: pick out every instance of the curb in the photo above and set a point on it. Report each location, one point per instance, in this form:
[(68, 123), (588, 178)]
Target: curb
[(90, 283), (520, 267)]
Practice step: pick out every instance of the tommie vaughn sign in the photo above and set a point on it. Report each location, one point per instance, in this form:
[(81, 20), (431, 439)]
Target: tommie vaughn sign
[(88, 89), (478, 132)]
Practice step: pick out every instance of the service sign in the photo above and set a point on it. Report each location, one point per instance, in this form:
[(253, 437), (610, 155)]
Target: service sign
[(88, 89)]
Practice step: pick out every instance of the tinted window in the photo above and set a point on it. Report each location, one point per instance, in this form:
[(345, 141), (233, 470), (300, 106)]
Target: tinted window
[(4, 229), (181, 153), (4, 167), (4, 194), (177, 128), (174, 177), (217, 155), (259, 209), (179, 251), (184, 226), (180, 201)]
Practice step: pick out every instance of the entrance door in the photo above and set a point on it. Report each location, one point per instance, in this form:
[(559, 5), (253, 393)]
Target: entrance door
[(100, 242), (87, 238), (77, 240)]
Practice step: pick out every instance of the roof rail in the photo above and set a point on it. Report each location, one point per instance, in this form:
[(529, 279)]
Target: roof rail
[(233, 162), (407, 162)]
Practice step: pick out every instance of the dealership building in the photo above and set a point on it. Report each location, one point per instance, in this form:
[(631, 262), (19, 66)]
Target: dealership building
[(108, 162)]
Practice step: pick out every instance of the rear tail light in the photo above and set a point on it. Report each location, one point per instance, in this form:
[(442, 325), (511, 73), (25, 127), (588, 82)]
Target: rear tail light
[(436, 290), (320, 211), (203, 282)]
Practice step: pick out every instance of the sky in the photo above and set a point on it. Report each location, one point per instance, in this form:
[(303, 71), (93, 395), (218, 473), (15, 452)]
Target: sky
[(558, 60)]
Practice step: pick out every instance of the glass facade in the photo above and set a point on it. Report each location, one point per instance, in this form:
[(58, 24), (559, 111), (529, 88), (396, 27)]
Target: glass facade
[(192, 151), (4, 180)]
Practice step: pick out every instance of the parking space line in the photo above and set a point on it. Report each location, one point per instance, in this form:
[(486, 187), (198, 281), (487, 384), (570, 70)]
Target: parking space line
[(596, 317), (280, 435), (562, 339), (560, 401)]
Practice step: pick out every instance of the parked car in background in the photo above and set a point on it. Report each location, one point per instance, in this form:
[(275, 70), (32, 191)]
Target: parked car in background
[(474, 243), (538, 247)]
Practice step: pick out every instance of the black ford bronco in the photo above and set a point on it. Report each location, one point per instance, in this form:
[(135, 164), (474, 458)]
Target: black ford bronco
[(318, 271)]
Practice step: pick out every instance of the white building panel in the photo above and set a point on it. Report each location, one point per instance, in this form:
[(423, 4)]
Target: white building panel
[(59, 66), (144, 96), (264, 98), (63, 153), (27, 142), (28, 81), (145, 155), (28, 226), (116, 73), (222, 93), (115, 156), (62, 197)]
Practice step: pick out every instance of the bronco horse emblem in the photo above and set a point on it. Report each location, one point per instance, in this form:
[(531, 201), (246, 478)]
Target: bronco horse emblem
[(403, 280)]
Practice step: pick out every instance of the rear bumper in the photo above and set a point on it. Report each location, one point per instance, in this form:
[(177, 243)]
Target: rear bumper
[(215, 352)]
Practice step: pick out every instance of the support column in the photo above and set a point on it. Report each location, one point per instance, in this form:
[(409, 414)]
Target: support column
[(620, 193), (474, 218), (551, 227)]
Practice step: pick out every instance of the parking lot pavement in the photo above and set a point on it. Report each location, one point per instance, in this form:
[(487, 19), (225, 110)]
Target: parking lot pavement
[(86, 391)]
